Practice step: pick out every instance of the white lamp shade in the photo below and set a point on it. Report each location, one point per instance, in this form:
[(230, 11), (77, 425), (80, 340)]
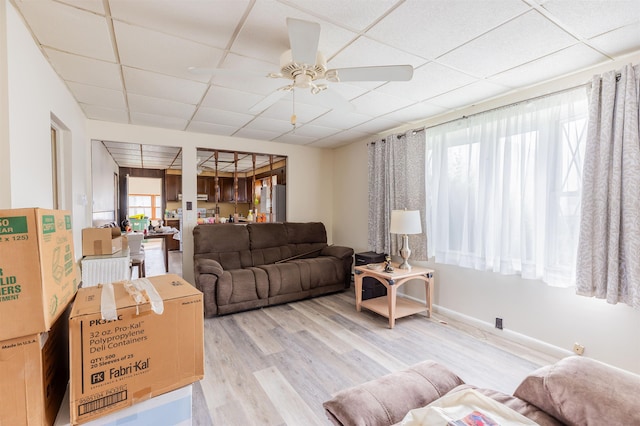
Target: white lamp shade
[(405, 222)]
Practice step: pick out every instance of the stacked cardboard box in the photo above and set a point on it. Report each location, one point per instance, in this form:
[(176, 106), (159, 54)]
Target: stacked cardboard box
[(102, 241), (131, 341), (38, 280)]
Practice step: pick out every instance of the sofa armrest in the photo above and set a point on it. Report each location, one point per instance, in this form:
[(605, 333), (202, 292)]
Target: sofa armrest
[(207, 273), (208, 266), (386, 400), (337, 251)]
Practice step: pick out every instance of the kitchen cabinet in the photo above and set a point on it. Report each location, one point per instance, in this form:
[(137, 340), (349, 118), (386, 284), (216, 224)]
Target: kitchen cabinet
[(202, 184), (227, 191), (172, 244), (173, 187)]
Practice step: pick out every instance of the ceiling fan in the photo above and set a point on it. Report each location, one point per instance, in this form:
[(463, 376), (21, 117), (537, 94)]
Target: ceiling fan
[(306, 67)]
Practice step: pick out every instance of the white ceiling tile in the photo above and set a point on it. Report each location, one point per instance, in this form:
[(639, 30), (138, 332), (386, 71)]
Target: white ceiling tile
[(270, 125), (264, 34), (294, 138), (431, 28), (346, 90), (284, 108), (316, 132), (96, 112), (340, 139), (97, 96), (468, 95), (85, 70), (521, 40), (479, 50), (158, 121), (162, 107), (122, 146), (354, 14), (163, 86), (375, 103), (218, 116), (618, 42), (96, 6), (593, 17), (341, 120), (554, 65), (230, 99), (379, 125), (161, 53), (69, 29), (248, 75), (365, 52), (415, 112), (256, 134), (161, 149), (428, 81), (199, 21)]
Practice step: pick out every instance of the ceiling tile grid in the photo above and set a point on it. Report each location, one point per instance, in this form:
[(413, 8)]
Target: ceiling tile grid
[(129, 61)]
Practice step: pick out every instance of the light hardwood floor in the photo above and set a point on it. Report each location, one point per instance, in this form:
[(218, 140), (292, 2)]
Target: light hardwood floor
[(276, 366)]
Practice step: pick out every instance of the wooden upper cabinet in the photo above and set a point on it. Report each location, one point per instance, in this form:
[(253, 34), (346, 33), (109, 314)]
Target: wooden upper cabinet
[(202, 185), (173, 187)]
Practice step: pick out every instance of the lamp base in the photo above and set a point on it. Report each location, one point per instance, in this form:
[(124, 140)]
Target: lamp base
[(405, 252)]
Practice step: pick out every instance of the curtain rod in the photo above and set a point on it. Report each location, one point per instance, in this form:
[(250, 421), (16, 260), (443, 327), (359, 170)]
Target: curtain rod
[(557, 92)]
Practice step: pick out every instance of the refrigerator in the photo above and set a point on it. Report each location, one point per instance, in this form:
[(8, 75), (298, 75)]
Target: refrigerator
[(279, 199)]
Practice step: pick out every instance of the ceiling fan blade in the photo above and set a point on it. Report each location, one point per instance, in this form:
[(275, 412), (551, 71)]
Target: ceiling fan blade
[(304, 37), (379, 73), (268, 101)]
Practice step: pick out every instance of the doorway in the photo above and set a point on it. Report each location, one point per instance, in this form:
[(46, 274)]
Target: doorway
[(141, 172)]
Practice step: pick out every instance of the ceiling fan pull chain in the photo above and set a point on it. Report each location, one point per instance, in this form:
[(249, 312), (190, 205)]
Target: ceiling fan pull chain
[(293, 115)]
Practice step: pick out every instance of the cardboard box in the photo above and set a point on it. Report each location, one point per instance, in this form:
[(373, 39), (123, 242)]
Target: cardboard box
[(101, 241), (34, 371), (138, 354), (38, 273), (172, 408)]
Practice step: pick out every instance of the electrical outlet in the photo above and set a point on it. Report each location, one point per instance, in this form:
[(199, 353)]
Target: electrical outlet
[(578, 348), (499, 323)]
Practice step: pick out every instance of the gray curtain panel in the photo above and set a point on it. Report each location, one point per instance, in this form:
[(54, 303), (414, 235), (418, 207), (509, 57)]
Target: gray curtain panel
[(397, 181), (608, 265)]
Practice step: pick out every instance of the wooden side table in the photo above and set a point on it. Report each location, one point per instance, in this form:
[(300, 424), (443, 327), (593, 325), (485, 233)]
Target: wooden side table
[(391, 306)]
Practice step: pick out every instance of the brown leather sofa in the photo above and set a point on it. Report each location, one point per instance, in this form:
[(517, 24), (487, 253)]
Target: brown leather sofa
[(240, 267), (573, 391)]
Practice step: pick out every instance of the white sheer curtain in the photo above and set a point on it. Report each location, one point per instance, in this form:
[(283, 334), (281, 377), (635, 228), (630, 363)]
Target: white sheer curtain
[(609, 257), (396, 181), (504, 188)]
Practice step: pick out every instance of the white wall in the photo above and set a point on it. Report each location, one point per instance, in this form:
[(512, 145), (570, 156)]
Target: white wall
[(36, 98), (309, 172), (102, 182), (552, 319)]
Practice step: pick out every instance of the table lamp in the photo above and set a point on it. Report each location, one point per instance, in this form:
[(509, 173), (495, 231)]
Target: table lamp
[(405, 222)]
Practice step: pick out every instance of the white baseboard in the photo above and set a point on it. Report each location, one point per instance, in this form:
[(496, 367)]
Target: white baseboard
[(513, 336)]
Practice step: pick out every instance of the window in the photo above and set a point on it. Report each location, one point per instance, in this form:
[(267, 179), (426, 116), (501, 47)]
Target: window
[(147, 204), (503, 188)]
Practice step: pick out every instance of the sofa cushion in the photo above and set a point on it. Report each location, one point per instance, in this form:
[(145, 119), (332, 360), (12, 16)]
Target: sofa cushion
[(582, 391), (266, 235), (386, 400), (284, 278), (269, 255), (320, 271), (226, 244), (242, 285), (300, 233)]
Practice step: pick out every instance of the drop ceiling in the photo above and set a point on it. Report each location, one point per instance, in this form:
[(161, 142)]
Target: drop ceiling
[(128, 61)]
